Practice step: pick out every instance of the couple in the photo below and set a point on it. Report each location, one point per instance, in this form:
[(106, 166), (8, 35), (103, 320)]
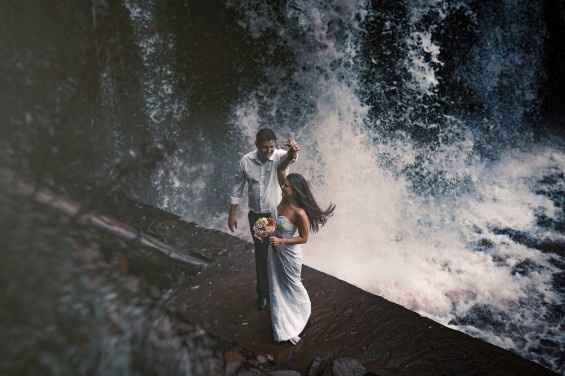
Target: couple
[(278, 259)]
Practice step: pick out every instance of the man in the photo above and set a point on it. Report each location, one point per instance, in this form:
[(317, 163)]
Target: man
[(258, 171)]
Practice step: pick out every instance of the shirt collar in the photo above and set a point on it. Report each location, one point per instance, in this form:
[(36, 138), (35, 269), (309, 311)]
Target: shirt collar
[(255, 156)]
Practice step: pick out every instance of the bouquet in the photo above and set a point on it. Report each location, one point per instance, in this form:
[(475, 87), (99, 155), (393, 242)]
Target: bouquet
[(264, 227)]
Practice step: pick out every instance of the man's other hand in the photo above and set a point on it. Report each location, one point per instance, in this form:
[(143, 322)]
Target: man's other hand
[(232, 222)]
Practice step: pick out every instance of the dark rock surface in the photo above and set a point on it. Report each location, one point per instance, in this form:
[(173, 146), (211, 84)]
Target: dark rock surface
[(208, 314), (346, 322)]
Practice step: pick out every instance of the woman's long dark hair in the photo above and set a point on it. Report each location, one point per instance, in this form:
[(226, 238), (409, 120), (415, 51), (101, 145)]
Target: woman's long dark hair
[(304, 199)]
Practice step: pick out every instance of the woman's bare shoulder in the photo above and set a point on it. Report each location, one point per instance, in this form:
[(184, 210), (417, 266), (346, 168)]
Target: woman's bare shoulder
[(299, 212)]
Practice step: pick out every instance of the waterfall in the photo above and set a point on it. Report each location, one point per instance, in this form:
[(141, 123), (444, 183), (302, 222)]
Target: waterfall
[(416, 119)]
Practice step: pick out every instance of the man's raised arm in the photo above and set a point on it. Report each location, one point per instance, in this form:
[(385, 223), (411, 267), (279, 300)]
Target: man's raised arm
[(289, 158)]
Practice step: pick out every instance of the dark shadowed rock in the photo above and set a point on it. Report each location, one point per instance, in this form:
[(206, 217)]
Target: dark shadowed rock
[(336, 367), (347, 367), (249, 372), (232, 362), (284, 373), (317, 366)]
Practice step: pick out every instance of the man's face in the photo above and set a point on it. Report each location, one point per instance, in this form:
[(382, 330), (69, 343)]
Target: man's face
[(265, 149)]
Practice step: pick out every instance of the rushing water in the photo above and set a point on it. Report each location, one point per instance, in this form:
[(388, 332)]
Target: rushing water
[(412, 121)]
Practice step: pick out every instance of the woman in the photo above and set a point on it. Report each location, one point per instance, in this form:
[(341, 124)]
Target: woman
[(297, 214)]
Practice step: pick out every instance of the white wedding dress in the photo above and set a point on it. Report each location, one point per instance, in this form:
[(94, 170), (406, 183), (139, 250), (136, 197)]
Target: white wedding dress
[(290, 304)]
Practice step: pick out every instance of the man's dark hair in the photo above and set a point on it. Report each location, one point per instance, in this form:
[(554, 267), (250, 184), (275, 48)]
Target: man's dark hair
[(265, 134)]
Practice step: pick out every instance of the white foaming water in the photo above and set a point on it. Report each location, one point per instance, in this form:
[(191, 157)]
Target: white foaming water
[(423, 73), (416, 250), (419, 44), (188, 179), (164, 105), (436, 254), (409, 249), (246, 119)]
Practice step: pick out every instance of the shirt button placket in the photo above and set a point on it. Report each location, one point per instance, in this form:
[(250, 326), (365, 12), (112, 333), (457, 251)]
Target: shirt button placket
[(261, 193)]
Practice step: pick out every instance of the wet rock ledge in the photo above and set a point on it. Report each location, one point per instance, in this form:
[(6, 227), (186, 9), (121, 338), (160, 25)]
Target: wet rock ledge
[(351, 332)]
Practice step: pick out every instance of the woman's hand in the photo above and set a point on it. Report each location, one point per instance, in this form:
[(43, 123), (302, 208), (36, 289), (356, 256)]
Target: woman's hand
[(275, 241)]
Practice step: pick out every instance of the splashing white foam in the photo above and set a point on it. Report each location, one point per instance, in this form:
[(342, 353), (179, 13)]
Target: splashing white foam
[(414, 249)]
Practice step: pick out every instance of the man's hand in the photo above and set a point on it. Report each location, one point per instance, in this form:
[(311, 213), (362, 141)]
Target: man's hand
[(293, 148), (232, 221)]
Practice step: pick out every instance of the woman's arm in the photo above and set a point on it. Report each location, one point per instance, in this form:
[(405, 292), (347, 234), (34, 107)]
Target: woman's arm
[(303, 224), (282, 169)]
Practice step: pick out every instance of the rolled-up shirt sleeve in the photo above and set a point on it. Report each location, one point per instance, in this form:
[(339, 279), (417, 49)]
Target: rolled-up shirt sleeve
[(239, 185), (282, 156)]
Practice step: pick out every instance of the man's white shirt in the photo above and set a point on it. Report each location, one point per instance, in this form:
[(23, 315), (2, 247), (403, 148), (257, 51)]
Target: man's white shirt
[(261, 178)]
